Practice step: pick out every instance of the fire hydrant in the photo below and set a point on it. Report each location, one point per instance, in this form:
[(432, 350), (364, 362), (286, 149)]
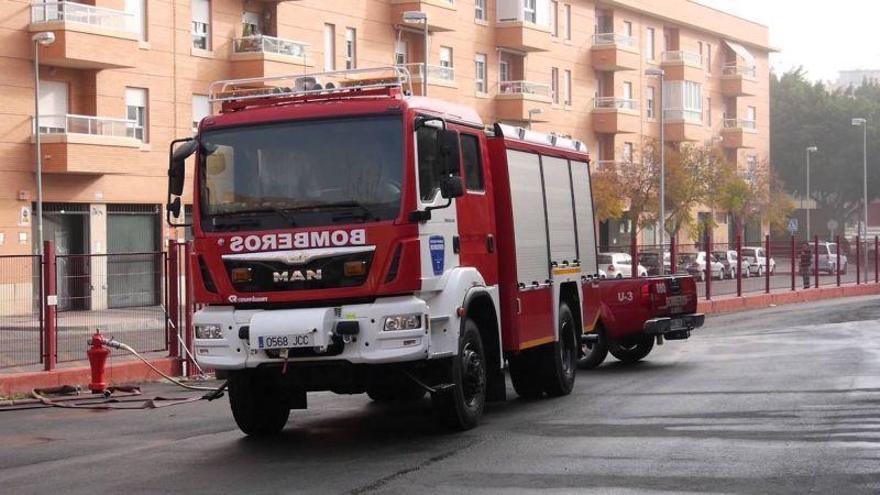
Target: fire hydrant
[(97, 360)]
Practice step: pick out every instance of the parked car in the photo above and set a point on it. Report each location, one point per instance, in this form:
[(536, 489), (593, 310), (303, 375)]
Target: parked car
[(828, 258), (651, 261), (757, 259), (602, 274), (696, 266), (619, 265), (728, 259)]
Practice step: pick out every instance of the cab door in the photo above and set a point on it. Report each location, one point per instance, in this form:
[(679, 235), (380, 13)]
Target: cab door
[(476, 209)]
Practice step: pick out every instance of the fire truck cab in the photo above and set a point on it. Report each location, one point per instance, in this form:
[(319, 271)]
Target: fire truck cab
[(351, 237)]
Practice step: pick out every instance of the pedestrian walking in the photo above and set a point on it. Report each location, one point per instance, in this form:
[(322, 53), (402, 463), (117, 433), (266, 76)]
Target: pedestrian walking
[(806, 262)]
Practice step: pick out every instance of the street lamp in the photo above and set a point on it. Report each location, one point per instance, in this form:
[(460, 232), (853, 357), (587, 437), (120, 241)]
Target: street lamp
[(863, 123), (415, 17), (662, 227), (44, 38), (534, 111), (810, 151)]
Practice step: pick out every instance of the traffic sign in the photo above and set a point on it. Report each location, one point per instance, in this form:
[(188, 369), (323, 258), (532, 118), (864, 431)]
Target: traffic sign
[(792, 225)]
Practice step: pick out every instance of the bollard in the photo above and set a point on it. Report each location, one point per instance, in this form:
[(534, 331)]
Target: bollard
[(97, 355), (858, 260), (837, 270), (816, 260), (767, 262), (708, 265), (739, 266)]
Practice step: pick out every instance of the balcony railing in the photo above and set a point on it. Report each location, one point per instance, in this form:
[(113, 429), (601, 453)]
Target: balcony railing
[(524, 88), (87, 124), (608, 165), (614, 103), (83, 14), (749, 71), (613, 39), (688, 115), (682, 56), (269, 44), (441, 72), (740, 124)]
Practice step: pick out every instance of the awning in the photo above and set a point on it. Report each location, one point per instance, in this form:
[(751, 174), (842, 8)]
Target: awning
[(741, 52)]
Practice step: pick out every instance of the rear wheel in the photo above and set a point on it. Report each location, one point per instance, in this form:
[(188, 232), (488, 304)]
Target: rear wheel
[(559, 372), (462, 406), (631, 351), (259, 403)]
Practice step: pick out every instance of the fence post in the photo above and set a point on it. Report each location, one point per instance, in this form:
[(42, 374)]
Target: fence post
[(634, 254), (793, 273), (672, 255), (858, 260), (709, 264), (816, 260), (767, 263), (173, 288), (50, 305), (837, 269), (739, 265), (188, 309), (876, 267)]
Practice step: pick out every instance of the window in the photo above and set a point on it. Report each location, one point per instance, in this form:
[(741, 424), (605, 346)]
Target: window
[(53, 107), (700, 49), (683, 100), (650, 41), (567, 9), (251, 23), (138, 9), (473, 168), (628, 149), (329, 47), (136, 111), (504, 71), (554, 84), (628, 28), (567, 87), (201, 108), (350, 48), (480, 73), (480, 10), (554, 18), (429, 162), (201, 24), (401, 52), (651, 93), (709, 58), (530, 11), (627, 90), (709, 112), (446, 58), (752, 115)]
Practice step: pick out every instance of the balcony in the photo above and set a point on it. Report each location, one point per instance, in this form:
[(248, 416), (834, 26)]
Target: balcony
[(438, 75), (739, 133), (614, 52), (681, 65), (684, 125), (442, 14), (739, 80), (515, 98), (612, 115), (267, 56), (522, 36), (85, 144), (86, 37)]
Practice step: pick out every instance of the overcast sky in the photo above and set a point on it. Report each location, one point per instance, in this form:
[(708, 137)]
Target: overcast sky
[(821, 36)]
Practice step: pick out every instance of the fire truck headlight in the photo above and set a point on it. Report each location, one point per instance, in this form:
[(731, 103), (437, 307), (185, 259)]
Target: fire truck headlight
[(209, 332), (403, 322)]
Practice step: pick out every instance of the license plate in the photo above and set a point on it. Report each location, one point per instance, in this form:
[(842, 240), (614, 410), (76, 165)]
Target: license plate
[(676, 324), (285, 341), (676, 300)]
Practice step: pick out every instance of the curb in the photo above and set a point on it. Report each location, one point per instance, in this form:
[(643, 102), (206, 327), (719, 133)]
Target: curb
[(116, 374), (760, 301)]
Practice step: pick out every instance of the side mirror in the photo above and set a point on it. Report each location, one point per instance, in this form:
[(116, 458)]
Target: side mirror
[(174, 207), (177, 174), (451, 186), (450, 152)]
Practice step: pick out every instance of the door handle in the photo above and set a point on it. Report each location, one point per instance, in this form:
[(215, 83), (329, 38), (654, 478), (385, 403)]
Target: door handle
[(490, 243)]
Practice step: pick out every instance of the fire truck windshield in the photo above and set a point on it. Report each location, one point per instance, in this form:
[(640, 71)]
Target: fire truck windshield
[(302, 174)]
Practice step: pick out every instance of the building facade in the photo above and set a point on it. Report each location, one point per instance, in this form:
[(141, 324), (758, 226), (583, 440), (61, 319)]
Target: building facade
[(125, 77)]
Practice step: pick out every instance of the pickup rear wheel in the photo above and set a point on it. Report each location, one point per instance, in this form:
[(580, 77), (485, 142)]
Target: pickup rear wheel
[(462, 406), (631, 351), (259, 403), (593, 353)]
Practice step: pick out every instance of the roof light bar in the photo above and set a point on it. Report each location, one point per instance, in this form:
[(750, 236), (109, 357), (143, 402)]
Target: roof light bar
[(522, 134), (306, 84)]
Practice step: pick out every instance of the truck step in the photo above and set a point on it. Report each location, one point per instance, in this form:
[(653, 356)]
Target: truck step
[(677, 335)]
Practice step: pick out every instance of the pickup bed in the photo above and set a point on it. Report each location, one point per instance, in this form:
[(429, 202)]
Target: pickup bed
[(627, 316)]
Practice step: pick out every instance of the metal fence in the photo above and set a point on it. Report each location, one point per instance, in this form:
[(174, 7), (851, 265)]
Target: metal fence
[(21, 338)]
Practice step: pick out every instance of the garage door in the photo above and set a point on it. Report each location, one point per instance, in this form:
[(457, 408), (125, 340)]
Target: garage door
[(134, 264)]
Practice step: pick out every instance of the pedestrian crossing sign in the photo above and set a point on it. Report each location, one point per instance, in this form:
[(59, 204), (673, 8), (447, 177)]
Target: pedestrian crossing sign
[(792, 225)]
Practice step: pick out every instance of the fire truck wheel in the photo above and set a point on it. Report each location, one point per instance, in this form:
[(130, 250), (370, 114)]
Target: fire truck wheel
[(593, 354), (525, 377), (631, 351), (462, 406), (560, 370), (259, 404)]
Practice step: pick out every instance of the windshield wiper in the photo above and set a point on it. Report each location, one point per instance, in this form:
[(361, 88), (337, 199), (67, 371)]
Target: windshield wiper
[(281, 212), (365, 213)]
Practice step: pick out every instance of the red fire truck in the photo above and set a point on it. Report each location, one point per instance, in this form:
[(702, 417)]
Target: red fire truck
[(354, 238)]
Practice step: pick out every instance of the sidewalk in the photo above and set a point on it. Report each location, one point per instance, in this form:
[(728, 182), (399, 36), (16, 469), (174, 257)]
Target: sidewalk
[(779, 297)]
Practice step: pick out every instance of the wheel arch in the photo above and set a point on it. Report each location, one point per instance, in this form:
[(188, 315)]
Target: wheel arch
[(480, 306), (570, 295)]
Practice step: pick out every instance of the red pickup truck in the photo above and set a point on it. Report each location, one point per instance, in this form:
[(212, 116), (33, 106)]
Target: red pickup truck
[(627, 316)]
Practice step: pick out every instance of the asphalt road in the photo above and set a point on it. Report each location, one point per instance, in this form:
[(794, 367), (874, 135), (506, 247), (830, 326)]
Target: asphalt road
[(784, 400)]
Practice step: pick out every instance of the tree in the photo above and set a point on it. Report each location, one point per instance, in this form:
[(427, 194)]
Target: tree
[(607, 201), (692, 173)]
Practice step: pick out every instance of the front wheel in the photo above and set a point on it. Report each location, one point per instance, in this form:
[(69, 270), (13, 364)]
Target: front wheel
[(462, 407), (631, 351), (259, 404)]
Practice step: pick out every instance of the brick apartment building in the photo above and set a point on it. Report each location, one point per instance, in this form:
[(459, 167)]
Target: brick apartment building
[(124, 77)]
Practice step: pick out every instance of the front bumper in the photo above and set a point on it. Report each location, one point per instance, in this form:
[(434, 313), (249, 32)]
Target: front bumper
[(371, 345), (674, 327)]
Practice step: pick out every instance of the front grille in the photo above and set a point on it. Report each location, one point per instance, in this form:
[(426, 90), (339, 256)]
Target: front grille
[(271, 276)]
